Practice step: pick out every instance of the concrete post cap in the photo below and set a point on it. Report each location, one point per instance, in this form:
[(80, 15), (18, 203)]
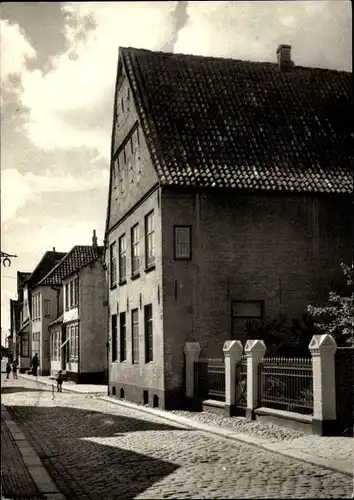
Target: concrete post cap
[(255, 346), (323, 343), (232, 346), (192, 347)]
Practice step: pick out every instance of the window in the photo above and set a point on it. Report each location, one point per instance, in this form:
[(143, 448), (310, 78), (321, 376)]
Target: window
[(24, 345), (76, 351), (47, 308), (114, 337), (71, 342), (122, 104), (135, 249), (149, 240), (36, 340), (135, 336), (244, 314), (182, 242), (149, 355), (113, 265), (122, 258), (123, 337), (76, 291), (67, 297), (71, 284)]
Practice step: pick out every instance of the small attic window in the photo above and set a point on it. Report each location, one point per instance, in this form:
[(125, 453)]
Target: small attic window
[(122, 104), (128, 95)]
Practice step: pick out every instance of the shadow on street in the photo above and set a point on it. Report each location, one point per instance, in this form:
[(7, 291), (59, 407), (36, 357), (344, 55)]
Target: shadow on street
[(79, 466)]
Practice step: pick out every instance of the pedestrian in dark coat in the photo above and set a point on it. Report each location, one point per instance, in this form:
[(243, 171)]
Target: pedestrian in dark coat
[(8, 369), (14, 368), (60, 379), (35, 364)]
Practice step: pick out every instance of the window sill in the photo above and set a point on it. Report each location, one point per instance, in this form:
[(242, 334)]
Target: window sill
[(123, 282), (149, 362), (135, 276), (123, 361), (149, 268), (135, 363), (112, 287)]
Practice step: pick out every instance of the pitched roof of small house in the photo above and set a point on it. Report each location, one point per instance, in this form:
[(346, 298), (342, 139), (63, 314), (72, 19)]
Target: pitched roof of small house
[(78, 257), (47, 262), (57, 321), (214, 122)]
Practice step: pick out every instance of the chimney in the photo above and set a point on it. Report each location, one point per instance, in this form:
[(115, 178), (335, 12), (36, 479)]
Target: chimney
[(94, 239), (284, 58), (53, 249)]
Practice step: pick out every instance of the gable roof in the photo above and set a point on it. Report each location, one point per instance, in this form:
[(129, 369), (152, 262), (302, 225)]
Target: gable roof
[(47, 262), (214, 122), (79, 256)]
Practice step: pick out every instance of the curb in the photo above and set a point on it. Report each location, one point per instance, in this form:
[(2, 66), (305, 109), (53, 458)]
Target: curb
[(33, 463), (343, 467), (50, 383)]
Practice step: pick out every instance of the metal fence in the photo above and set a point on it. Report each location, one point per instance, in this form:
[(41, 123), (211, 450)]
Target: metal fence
[(241, 383), (209, 377), (286, 384), (344, 372)]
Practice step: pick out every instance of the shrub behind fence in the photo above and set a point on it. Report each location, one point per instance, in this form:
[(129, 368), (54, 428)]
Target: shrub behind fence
[(286, 384)]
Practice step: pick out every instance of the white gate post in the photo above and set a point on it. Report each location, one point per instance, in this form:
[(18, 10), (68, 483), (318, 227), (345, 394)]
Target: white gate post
[(232, 352), (323, 349), (192, 352), (255, 351)]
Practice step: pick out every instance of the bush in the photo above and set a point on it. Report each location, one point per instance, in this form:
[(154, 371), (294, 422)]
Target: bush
[(283, 336), (337, 318)]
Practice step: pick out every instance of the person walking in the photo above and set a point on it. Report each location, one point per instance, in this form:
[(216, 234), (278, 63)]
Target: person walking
[(35, 364), (14, 368), (8, 369), (60, 379)]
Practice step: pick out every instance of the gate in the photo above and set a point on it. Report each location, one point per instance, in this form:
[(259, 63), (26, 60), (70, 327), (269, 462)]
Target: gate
[(241, 386), (209, 379)]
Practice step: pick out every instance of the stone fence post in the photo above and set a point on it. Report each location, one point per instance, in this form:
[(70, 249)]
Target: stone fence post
[(323, 349), (232, 352), (255, 351), (192, 352)]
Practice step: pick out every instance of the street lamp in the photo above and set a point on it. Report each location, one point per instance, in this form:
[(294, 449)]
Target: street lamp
[(6, 259)]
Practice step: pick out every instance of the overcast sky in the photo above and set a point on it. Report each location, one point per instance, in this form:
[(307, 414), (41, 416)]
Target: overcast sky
[(58, 65)]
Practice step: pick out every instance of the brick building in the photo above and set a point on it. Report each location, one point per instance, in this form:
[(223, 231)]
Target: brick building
[(78, 329), (229, 198)]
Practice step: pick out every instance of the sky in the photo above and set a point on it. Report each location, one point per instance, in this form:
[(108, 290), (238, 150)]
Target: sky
[(58, 64)]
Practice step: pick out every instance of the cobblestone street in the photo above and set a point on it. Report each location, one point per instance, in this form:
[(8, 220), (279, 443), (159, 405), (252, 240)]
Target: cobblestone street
[(94, 449)]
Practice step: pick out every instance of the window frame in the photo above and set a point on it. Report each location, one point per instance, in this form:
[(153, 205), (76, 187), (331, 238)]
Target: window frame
[(135, 336), (113, 268), (148, 335), (47, 308), (135, 244), (122, 337), (175, 228), (122, 258), (114, 333), (246, 317), (66, 296), (25, 345), (149, 264), (71, 286)]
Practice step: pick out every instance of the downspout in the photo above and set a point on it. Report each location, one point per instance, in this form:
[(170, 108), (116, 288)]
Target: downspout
[(79, 328), (196, 273)]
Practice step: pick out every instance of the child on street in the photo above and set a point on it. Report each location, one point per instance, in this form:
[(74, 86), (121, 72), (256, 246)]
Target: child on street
[(14, 368), (60, 379)]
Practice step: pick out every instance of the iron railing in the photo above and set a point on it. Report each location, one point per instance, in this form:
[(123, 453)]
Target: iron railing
[(209, 376), (286, 384), (241, 383)]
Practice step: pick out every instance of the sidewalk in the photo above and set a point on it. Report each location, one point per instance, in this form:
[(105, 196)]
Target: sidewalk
[(334, 453), (67, 386), (22, 472)]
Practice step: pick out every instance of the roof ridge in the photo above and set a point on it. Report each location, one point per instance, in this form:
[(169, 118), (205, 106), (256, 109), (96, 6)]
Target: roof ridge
[(222, 58)]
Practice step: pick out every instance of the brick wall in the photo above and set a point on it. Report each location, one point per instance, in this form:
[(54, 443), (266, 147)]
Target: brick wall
[(284, 250), (140, 159)]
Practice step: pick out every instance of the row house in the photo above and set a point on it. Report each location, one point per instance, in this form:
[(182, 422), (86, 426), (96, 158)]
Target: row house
[(229, 199), (78, 330), (37, 306)]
